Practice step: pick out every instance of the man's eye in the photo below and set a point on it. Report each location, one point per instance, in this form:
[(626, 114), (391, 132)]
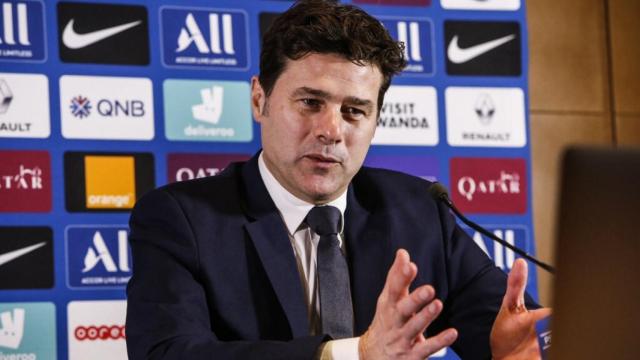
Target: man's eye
[(353, 111), (311, 102)]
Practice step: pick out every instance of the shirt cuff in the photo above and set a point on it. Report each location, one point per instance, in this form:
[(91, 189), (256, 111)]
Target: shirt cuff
[(343, 349)]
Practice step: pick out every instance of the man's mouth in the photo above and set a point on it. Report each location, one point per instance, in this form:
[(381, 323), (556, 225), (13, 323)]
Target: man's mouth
[(323, 160)]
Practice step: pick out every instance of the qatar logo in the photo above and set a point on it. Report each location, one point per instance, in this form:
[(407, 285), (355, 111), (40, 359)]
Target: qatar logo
[(80, 107), (489, 185)]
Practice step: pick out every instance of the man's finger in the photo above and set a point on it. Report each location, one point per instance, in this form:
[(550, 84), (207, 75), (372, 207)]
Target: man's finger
[(413, 303), (418, 323), (539, 314), (434, 344), (400, 275), (516, 284)]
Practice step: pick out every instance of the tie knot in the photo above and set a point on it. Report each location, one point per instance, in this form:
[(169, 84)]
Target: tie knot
[(324, 220)]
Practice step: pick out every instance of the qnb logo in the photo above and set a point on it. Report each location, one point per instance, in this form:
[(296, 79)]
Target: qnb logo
[(211, 108), (485, 108), (502, 257), (102, 332), (220, 38), (99, 253), (20, 19), (12, 328), (6, 96), (26, 179), (80, 107), (411, 39), (507, 183), (187, 174)]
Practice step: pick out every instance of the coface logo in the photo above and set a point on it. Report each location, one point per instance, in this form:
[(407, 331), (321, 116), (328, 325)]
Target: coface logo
[(25, 181), (485, 117), (96, 330), (103, 34), (207, 110), (27, 331), (425, 167), (183, 167), (100, 107), (22, 37), (394, 2), (24, 106), (409, 116), (417, 36), (26, 258), (106, 181), (98, 256), (502, 256), (481, 4), (483, 48), (486, 185), (206, 38)]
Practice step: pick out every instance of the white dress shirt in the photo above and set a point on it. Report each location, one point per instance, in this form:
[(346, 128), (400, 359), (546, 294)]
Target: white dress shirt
[(305, 244)]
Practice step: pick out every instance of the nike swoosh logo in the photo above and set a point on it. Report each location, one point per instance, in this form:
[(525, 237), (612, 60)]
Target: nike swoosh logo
[(11, 255), (73, 40), (458, 56)]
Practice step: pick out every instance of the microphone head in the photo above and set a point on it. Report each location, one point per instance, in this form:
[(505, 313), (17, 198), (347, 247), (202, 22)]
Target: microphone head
[(438, 191)]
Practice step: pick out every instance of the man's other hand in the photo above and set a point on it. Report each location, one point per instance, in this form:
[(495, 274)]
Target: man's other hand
[(513, 335), (401, 318)]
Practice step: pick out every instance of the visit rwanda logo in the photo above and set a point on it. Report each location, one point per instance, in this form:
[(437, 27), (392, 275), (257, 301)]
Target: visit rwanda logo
[(80, 106)]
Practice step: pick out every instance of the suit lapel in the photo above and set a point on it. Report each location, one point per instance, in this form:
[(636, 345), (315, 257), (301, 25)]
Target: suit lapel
[(370, 255), (270, 238)]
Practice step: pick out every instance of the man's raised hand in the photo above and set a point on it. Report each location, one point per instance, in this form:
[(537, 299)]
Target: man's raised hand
[(401, 318)]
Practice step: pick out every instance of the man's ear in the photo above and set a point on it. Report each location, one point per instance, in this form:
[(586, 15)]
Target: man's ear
[(258, 99)]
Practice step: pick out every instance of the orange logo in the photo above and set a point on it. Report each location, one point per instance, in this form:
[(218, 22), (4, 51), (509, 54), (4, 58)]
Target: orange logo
[(110, 182)]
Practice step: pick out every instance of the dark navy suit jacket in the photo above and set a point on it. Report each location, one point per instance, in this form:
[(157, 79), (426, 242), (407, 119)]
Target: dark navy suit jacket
[(215, 275)]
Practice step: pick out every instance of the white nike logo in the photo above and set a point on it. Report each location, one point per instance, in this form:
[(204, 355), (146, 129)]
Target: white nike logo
[(11, 255), (458, 56), (73, 40)]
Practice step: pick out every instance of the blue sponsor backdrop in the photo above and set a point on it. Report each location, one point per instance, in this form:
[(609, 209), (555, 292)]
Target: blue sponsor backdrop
[(195, 43)]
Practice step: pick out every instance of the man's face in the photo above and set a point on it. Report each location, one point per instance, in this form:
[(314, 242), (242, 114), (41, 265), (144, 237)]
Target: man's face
[(317, 123)]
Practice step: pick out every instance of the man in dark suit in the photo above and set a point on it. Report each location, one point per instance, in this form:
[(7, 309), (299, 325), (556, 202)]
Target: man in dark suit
[(232, 267)]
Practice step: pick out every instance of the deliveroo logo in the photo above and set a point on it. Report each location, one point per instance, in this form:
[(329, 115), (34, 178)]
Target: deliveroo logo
[(27, 331)]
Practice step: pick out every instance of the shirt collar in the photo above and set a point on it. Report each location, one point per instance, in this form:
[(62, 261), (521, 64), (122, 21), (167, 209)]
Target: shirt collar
[(292, 209)]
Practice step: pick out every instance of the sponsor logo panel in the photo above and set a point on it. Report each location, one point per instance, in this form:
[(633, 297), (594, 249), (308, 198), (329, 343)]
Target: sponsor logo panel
[(26, 258), (426, 167), (106, 181), (409, 116), (485, 117), (27, 331), (489, 185), (99, 107), (480, 4), (22, 36), (98, 256), (24, 106), (202, 110), (205, 38), (25, 181), (394, 2), (181, 167), (502, 256), (417, 36), (96, 330), (103, 33), (483, 48)]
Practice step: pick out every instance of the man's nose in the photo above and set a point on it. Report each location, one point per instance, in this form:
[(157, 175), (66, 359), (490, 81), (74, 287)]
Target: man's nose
[(328, 126)]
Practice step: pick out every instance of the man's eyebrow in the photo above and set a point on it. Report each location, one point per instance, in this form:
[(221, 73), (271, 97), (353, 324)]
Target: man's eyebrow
[(353, 100)]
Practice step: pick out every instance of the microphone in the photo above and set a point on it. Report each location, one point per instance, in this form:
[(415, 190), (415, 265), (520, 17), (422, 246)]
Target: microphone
[(439, 193)]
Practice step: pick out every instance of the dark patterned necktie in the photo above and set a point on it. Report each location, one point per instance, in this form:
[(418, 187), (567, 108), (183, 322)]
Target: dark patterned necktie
[(336, 311)]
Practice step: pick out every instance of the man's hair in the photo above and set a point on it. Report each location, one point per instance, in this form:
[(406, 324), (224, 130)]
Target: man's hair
[(327, 27)]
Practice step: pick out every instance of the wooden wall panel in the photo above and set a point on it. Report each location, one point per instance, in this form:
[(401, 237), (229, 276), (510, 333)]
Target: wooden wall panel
[(628, 130), (567, 54), (550, 134), (625, 54)]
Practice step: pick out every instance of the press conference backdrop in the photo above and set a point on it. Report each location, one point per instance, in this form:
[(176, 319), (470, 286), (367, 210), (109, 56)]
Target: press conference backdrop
[(102, 101)]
